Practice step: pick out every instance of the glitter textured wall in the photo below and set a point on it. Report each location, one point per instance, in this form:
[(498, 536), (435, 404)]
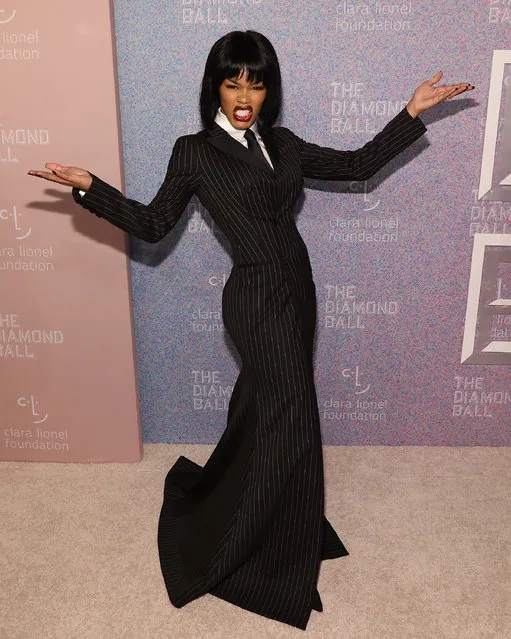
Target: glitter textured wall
[(392, 258)]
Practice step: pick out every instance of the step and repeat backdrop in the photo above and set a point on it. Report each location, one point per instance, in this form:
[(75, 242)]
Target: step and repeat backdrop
[(412, 268), (67, 372)]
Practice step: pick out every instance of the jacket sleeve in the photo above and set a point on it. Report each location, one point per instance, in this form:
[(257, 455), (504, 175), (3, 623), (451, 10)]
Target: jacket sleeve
[(323, 163), (153, 221)]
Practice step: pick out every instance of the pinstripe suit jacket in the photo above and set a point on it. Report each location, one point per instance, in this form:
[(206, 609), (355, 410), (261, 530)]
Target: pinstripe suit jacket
[(241, 192)]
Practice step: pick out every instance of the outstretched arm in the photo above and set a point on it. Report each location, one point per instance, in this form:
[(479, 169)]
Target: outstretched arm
[(323, 163), (149, 222)]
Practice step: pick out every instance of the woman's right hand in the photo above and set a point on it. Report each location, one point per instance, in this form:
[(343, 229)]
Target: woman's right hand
[(66, 175)]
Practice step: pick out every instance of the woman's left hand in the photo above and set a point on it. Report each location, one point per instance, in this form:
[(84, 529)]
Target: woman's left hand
[(428, 95)]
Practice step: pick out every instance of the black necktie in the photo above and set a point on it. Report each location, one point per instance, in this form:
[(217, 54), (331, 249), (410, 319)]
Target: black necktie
[(253, 145)]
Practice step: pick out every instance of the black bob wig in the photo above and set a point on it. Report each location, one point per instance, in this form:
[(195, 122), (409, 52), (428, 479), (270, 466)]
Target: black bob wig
[(235, 53)]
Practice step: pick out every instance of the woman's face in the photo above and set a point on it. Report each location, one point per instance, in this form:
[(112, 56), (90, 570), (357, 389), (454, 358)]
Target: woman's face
[(241, 100)]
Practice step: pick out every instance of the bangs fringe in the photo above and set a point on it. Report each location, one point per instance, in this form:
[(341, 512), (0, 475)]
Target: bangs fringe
[(255, 72)]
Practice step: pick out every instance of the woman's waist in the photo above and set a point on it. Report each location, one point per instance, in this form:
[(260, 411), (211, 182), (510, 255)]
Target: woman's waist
[(275, 262), (272, 274), (277, 253)]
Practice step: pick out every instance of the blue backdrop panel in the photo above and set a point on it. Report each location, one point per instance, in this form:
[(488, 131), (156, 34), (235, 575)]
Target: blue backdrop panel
[(392, 258)]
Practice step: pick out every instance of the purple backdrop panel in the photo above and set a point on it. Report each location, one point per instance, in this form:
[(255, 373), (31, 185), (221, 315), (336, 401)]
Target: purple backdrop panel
[(411, 268)]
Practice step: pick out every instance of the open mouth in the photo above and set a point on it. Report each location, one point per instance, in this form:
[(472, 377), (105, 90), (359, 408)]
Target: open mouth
[(243, 114)]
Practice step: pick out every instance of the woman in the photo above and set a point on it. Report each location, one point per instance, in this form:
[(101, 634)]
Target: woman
[(249, 527)]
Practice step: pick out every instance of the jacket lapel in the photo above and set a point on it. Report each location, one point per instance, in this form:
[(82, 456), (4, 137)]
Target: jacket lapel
[(223, 141)]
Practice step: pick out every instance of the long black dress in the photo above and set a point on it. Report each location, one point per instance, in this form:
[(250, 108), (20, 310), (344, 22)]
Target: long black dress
[(249, 526)]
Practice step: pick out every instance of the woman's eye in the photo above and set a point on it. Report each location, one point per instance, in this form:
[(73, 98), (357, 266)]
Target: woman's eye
[(231, 86), (259, 88)]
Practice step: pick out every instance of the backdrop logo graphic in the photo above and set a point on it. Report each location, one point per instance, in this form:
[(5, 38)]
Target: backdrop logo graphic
[(36, 439), (17, 342), (18, 53), (13, 218), (25, 137), (488, 216), (371, 202), (487, 333), (355, 376), (32, 405), (11, 138), (203, 15), (16, 46), (198, 12), (345, 310), (193, 123), (199, 220), (206, 321), (370, 199), (208, 392), (499, 12), (472, 399), (495, 182), (351, 111), (23, 259), (369, 230), (355, 405), (218, 280), (373, 16), (34, 436), (7, 153), (6, 15)]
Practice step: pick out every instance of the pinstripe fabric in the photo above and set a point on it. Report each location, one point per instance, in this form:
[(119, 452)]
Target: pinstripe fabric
[(249, 527)]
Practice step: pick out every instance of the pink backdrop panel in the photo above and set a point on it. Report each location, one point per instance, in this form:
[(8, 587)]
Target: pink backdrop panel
[(68, 382)]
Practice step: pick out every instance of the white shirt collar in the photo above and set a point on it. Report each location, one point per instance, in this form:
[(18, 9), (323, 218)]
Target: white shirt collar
[(238, 134)]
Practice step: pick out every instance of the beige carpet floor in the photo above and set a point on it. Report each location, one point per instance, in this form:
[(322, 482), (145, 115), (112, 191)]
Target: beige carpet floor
[(428, 530)]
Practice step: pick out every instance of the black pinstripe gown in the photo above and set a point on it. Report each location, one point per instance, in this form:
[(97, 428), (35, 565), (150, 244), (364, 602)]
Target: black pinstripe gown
[(249, 526)]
